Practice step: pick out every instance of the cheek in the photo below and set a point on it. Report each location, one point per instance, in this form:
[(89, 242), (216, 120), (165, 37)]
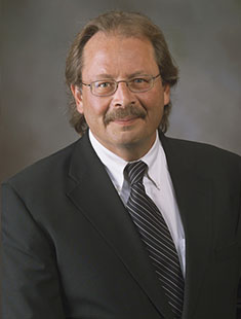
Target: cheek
[(94, 109), (154, 106)]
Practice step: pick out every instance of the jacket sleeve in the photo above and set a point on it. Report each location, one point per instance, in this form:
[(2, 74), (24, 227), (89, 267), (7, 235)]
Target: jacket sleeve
[(30, 282), (239, 301), (239, 240)]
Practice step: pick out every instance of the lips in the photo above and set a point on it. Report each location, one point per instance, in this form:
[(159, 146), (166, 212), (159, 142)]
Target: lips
[(126, 119)]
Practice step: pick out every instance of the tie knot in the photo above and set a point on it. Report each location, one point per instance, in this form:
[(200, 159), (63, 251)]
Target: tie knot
[(136, 171)]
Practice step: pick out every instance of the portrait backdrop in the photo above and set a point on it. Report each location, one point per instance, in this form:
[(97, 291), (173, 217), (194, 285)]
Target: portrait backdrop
[(203, 36)]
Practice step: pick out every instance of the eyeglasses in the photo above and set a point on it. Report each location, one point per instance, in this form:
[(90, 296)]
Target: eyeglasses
[(106, 87)]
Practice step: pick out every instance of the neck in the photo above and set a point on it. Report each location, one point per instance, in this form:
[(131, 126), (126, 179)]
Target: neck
[(129, 151)]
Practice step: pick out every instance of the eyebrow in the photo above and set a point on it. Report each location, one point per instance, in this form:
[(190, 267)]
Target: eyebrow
[(132, 75), (104, 76), (138, 73)]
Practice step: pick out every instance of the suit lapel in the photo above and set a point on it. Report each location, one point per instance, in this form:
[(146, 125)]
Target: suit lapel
[(193, 194), (95, 196)]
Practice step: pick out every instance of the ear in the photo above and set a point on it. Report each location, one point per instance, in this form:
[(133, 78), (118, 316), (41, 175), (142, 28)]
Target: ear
[(78, 98), (166, 94)]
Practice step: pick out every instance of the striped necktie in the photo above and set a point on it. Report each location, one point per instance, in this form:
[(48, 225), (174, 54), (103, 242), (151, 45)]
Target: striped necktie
[(156, 237)]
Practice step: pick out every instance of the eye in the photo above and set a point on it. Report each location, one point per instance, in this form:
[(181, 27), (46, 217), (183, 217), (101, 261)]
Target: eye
[(103, 84), (139, 80)]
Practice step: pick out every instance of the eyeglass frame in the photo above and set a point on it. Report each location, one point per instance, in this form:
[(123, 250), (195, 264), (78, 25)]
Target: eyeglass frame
[(117, 83)]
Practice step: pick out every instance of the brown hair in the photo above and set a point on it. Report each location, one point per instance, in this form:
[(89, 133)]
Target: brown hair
[(128, 24)]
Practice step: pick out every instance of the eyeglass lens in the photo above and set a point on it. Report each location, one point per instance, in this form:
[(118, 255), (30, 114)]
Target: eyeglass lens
[(106, 87)]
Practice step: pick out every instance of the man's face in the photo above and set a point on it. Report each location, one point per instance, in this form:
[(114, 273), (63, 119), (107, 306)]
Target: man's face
[(121, 58)]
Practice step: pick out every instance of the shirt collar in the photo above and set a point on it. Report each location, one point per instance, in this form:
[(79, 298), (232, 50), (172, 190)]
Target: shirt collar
[(115, 165), (152, 159)]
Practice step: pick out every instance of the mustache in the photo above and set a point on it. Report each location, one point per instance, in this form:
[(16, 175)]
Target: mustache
[(121, 113)]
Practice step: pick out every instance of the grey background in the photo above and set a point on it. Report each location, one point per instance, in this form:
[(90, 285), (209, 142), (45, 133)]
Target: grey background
[(204, 38)]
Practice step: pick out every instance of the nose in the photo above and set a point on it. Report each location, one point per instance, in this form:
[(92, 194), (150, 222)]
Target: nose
[(123, 96)]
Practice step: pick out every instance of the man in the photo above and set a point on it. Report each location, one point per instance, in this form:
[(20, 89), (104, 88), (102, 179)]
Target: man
[(124, 223)]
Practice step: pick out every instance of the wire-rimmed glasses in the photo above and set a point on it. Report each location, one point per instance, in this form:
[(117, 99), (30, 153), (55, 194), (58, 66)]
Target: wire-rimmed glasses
[(107, 87)]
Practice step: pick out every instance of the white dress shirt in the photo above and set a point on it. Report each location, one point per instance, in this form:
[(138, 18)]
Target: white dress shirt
[(158, 186)]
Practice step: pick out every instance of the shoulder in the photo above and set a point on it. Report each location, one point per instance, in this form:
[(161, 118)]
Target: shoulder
[(204, 158), (201, 149), (52, 167)]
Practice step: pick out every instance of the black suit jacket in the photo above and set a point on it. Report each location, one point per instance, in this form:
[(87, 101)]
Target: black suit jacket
[(70, 249)]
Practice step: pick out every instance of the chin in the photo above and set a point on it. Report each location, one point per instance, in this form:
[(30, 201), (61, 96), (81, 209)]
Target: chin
[(130, 141)]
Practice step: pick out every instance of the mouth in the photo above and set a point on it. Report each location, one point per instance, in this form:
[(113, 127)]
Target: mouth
[(126, 120)]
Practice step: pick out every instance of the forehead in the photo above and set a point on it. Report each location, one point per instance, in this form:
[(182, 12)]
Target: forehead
[(118, 54)]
